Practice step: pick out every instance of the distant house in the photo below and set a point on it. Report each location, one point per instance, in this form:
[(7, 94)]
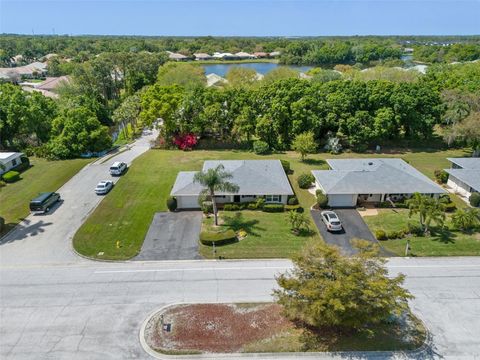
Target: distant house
[(34, 69), (355, 181), (260, 54), (274, 54), (202, 56), (255, 179), (10, 160), (244, 55), (53, 83), (215, 80), (223, 56), (464, 175), (48, 57), (176, 56)]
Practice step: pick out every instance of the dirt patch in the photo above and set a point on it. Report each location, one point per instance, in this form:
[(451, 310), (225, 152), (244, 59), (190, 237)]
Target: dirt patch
[(368, 212), (215, 327)]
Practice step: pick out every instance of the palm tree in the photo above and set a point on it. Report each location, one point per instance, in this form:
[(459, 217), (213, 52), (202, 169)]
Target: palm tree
[(429, 209), (215, 180), (465, 219)]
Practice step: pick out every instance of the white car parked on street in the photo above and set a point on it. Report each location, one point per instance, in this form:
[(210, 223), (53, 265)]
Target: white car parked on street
[(331, 220), (104, 187), (118, 168)]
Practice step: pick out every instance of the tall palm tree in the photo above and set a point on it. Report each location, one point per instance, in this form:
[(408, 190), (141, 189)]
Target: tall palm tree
[(429, 209), (215, 180)]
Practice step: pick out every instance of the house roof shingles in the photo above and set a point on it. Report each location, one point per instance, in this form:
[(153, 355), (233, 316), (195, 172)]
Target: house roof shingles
[(254, 177), (466, 163), (374, 176)]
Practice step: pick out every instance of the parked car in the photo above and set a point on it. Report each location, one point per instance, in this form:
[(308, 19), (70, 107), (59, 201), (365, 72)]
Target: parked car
[(331, 220), (44, 202), (118, 168), (104, 187)]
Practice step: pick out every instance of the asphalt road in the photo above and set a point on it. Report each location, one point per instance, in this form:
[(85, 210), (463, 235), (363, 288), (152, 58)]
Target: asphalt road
[(48, 238), (95, 310)]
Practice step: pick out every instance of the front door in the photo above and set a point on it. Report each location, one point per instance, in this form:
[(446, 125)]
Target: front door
[(236, 198)]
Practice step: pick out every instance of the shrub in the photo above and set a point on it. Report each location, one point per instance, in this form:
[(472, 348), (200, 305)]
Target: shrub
[(172, 203), (318, 191), (217, 238), (293, 201), (185, 141), (252, 206), (261, 147), (441, 176), (207, 207), (296, 208), (414, 229), (474, 199), (450, 207), (286, 166), (11, 176), (305, 180), (395, 234), (322, 200), (260, 203), (2, 223), (2, 183), (273, 208), (380, 234)]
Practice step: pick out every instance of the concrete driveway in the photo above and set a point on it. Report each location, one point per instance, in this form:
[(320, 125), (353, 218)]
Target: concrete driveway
[(47, 239), (172, 236), (353, 227)]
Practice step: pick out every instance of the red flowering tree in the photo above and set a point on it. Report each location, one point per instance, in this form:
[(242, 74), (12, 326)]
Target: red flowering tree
[(185, 141)]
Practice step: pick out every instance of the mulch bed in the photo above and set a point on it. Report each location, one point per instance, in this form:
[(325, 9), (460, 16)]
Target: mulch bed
[(215, 327)]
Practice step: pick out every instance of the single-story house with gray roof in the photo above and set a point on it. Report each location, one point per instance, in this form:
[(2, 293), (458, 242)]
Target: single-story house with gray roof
[(355, 181), (464, 176), (255, 178)]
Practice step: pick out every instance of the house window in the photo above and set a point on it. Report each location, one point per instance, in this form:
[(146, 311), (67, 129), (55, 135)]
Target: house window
[(220, 196), (247, 196), (14, 162), (273, 198)]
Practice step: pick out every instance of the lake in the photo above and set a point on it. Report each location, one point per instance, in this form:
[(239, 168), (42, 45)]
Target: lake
[(261, 67)]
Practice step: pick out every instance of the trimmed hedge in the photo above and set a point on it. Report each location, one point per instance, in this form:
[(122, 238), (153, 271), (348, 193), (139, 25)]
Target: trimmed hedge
[(441, 176), (474, 199), (322, 200), (305, 180), (296, 208), (218, 238), (292, 201), (11, 176), (380, 234), (172, 203), (273, 208)]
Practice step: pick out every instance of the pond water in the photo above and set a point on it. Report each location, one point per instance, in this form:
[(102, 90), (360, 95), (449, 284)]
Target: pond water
[(261, 67)]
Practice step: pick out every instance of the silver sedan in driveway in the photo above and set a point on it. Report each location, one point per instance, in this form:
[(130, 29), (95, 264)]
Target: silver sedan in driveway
[(104, 187), (331, 221)]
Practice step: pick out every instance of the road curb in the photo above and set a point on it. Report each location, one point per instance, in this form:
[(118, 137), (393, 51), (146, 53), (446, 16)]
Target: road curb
[(424, 349)]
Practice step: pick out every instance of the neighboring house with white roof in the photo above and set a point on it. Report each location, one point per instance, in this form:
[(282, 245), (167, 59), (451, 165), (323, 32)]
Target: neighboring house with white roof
[(464, 175), (354, 181), (9, 160), (176, 56), (223, 56), (244, 55), (255, 178)]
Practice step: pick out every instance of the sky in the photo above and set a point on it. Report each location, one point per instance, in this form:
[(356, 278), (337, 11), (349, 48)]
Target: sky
[(241, 17)]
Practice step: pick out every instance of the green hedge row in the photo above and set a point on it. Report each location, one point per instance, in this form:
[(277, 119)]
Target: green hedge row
[(11, 176), (218, 238)]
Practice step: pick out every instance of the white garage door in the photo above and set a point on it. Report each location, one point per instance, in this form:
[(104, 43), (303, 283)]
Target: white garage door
[(343, 200), (187, 202)]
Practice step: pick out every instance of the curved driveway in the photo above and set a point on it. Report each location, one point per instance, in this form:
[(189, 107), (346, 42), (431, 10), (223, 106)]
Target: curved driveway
[(47, 239)]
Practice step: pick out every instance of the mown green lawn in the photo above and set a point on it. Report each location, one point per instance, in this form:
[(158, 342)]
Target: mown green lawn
[(126, 212), (442, 242), (43, 176), (268, 235)]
